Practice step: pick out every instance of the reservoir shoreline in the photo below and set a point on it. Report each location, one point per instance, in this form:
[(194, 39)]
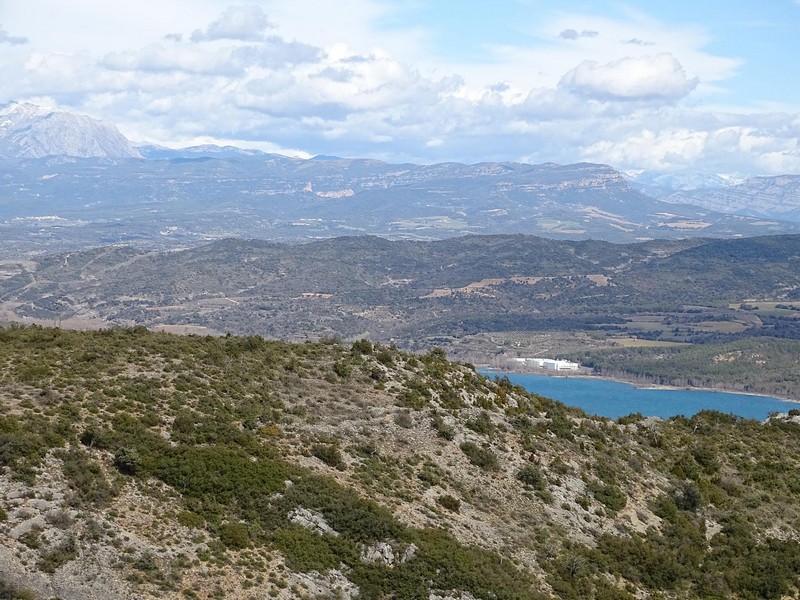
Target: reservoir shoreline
[(614, 397), (492, 371)]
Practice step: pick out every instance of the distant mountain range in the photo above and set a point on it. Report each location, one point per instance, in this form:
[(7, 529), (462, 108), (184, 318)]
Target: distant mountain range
[(69, 182), (770, 197), (661, 185)]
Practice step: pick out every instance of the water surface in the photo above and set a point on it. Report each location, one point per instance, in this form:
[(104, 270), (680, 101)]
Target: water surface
[(614, 399)]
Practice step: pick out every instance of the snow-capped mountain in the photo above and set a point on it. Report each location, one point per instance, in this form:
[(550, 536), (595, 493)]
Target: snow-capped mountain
[(31, 131)]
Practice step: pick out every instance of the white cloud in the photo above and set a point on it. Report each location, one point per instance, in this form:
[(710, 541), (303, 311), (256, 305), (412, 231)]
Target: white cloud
[(230, 60), (738, 148), (14, 40), (276, 74), (659, 77), (158, 57), (245, 23)]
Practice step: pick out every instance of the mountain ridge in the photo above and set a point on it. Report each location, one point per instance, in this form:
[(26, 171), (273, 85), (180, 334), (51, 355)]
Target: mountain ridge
[(771, 197), (177, 202), (173, 198)]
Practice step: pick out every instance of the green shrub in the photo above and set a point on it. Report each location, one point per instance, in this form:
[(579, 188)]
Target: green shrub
[(306, 551), (234, 535), (85, 478), (631, 418), (327, 453), (706, 457), (188, 518), (451, 399), (451, 503), (127, 461), (533, 477), (480, 457), (146, 562), (481, 424), (385, 358), (610, 496), (416, 394), (32, 538), (560, 424), (342, 369), (688, 497), (58, 556), (362, 346), (443, 430)]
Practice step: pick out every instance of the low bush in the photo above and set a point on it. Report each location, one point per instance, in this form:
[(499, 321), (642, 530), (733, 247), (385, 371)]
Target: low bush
[(234, 535), (443, 430), (481, 424), (58, 556), (451, 503), (610, 496), (532, 477), (480, 457), (327, 453)]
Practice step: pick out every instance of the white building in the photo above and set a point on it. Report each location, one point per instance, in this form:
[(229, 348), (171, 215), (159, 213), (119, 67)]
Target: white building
[(548, 364), (551, 364)]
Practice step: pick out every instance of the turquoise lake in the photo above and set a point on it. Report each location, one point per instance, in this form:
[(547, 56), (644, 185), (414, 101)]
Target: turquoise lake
[(614, 399)]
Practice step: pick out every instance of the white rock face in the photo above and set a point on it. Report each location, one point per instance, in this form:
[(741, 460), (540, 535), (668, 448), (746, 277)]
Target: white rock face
[(382, 552), (312, 520), (30, 131), (332, 584), (378, 552), (451, 596)]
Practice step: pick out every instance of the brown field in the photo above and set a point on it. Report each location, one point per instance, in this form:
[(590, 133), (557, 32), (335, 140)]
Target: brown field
[(763, 304), (722, 326)]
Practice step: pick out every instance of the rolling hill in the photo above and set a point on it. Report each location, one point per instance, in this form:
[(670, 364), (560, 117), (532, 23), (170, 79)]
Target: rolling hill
[(142, 465)]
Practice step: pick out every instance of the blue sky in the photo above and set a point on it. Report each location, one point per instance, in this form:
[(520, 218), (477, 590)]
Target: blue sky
[(705, 86)]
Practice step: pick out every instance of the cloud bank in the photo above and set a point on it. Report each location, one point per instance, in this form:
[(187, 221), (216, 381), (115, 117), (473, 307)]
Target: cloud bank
[(240, 78)]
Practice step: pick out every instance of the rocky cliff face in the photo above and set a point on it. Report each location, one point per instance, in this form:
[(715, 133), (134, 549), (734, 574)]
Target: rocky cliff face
[(30, 131)]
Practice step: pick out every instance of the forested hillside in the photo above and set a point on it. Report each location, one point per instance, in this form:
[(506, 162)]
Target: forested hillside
[(765, 365), (139, 465), (480, 298)]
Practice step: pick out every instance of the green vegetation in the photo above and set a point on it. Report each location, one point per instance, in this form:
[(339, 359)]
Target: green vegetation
[(533, 477), (609, 495), (265, 460), (764, 365), (449, 502), (480, 457)]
